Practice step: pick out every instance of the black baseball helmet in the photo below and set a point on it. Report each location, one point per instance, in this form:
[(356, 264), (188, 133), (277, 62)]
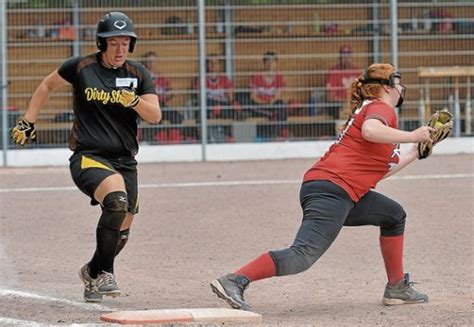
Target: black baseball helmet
[(115, 23)]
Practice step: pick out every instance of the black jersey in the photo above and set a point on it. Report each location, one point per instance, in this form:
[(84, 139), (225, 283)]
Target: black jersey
[(101, 124)]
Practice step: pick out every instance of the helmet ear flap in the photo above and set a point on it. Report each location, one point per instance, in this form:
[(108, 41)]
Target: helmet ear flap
[(101, 43), (132, 44)]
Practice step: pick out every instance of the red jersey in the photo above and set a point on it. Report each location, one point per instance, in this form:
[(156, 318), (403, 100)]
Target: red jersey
[(162, 87), (354, 163), (339, 80), (218, 88), (266, 90)]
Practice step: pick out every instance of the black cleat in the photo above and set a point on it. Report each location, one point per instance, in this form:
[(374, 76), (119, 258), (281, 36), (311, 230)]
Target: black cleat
[(231, 289)]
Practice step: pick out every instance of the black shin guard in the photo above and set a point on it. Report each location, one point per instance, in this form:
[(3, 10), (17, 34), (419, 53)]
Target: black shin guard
[(94, 265), (108, 230), (94, 268)]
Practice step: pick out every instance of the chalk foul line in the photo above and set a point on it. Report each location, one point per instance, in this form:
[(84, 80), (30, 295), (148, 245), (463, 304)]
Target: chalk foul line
[(231, 183), (34, 296)]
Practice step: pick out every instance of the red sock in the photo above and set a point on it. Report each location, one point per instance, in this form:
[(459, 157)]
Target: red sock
[(392, 253), (260, 268)]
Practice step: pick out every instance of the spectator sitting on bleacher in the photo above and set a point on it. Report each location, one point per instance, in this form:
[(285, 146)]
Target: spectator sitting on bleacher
[(220, 94), (338, 79), (220, 100), (266, 89), (66, 32), (162, 87), (163, 90)]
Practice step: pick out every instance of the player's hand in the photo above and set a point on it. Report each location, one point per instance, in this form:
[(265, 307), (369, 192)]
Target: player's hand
[(22, 132), (128, 98), (422, 134)]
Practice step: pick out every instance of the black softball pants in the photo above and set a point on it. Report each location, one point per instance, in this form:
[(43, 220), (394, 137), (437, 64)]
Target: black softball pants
[(326, 208)]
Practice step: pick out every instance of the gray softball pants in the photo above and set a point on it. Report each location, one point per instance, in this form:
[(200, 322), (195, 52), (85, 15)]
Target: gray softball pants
[(326, 208)]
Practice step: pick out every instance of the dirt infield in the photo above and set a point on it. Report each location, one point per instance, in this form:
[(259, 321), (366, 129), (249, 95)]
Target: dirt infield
[(200, 220)]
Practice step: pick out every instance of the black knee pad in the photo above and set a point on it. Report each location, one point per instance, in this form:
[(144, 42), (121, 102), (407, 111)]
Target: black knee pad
[(397, 222), (114, 209)]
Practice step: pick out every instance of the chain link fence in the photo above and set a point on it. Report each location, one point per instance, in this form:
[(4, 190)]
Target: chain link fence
[(276, 70)]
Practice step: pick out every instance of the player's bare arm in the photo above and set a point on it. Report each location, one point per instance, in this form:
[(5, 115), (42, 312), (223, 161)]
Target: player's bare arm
[(48, 85), (149, 108), (374, 130)]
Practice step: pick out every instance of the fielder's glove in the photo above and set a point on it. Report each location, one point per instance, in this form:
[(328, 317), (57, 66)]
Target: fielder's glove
[(22, 132), (442, 122), (128, 98)]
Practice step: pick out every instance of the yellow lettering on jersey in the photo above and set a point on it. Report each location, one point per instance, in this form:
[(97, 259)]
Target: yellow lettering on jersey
[(91, 163), (115, 96), (93, 94)]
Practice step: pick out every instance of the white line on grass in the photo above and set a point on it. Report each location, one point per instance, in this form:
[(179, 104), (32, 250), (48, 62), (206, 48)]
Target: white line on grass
[(228, 183), (33, 296)]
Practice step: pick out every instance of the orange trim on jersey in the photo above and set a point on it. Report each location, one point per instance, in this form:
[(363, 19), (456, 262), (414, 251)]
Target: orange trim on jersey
[(91, 163)]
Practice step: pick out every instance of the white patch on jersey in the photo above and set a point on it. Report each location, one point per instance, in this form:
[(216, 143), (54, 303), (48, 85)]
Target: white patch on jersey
[(126, 81), (395, 154), (349, 123)]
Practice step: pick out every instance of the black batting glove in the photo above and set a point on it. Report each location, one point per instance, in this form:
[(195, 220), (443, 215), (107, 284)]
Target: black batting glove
[(22, 132)]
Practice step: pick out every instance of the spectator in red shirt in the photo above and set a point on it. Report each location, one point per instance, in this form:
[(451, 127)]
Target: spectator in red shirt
[(339, 78), (163, 90), (266, 89), (220, 94)]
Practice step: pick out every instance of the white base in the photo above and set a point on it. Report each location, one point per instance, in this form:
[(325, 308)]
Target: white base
[(183, 316)]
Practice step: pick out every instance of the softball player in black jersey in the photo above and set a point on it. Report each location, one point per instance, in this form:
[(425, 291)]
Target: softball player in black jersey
[(110, 94)]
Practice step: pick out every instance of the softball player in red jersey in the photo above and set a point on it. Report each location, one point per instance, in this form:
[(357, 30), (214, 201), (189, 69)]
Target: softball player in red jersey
[(110, 94), (337, 191)]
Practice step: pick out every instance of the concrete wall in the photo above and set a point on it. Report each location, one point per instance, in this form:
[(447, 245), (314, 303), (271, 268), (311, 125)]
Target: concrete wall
[(217, 152)]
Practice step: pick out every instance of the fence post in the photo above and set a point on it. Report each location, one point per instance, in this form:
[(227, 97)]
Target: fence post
[(202, 75), (76, 22), (394, 37), (3, 80)]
